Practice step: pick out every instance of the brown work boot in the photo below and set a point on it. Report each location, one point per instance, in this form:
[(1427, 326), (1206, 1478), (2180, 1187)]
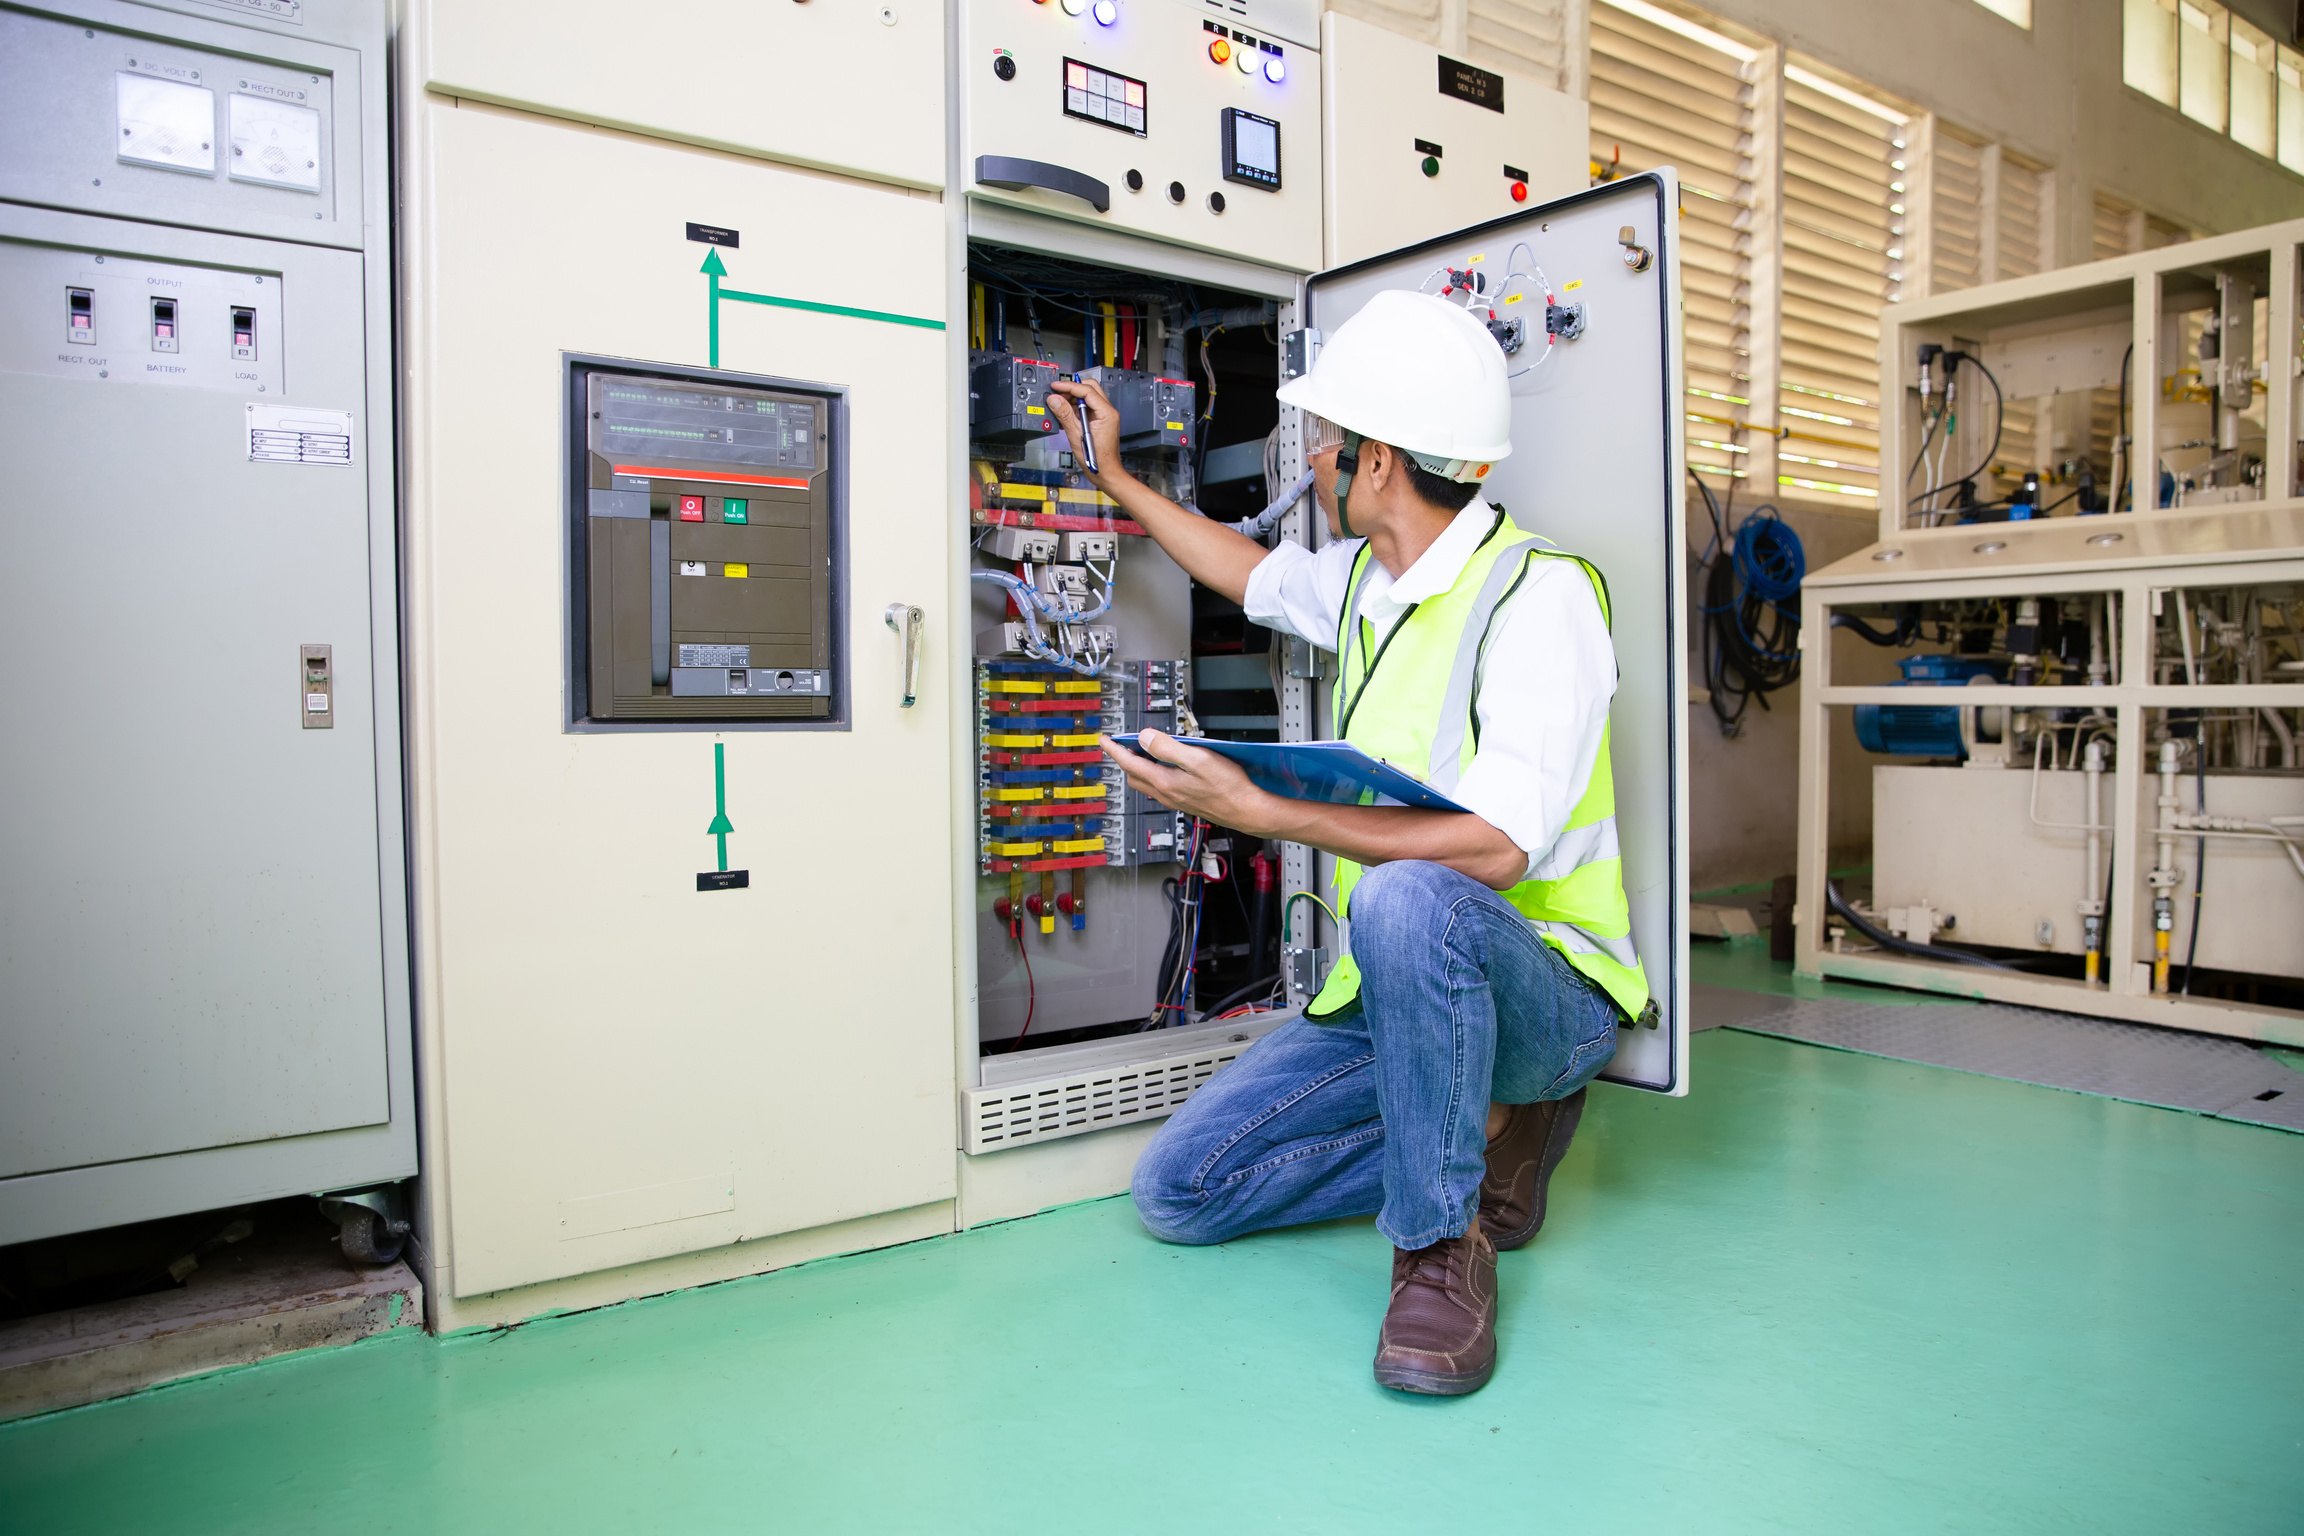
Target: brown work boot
[(1520, 1163), (1440, 1330)]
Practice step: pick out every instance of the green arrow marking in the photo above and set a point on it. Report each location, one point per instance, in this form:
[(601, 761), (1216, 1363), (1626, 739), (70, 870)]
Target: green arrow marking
[(714, 271), (721, 826)]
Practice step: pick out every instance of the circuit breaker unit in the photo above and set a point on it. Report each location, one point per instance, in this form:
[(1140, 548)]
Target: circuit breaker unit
[(1154, 412), (709, 554)]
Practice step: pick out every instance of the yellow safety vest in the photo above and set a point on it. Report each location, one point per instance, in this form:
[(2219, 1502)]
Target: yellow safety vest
[(1412, 702)]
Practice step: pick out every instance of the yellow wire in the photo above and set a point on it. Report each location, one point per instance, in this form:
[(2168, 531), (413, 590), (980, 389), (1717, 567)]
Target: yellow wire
[(1288, 908), (1111, 334), (976, 316)]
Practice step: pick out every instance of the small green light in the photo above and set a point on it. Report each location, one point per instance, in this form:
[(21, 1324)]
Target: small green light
[(734, 511), (1431, 165)]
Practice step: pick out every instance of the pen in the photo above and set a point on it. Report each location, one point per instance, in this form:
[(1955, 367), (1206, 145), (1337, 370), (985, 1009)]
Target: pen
[(1087, 437)]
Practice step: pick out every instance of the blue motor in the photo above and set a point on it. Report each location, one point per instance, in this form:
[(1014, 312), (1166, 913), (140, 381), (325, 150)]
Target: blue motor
[(1921, 730)]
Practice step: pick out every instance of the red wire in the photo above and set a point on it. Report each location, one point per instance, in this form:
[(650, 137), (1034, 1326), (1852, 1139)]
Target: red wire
[(1031, 989)]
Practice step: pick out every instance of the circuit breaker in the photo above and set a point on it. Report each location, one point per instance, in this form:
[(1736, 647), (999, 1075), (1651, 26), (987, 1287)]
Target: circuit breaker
[(710, 570)]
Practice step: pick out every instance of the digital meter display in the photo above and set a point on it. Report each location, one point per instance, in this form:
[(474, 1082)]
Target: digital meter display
[(647, 422), (1251, 149)]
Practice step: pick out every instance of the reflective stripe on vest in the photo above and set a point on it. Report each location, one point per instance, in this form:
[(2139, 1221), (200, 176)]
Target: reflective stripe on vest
[(1574, 897)]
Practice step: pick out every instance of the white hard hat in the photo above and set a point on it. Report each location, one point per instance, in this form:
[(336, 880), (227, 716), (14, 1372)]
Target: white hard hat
[(1419, 373)]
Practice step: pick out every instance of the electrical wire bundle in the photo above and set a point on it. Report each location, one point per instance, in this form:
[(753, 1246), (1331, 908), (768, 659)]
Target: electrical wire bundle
[(1751, 608), (1945, 419), (1179, 961)]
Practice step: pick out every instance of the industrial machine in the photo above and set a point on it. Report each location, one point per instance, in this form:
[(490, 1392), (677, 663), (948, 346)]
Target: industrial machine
[(204, 996), (2086, 792)]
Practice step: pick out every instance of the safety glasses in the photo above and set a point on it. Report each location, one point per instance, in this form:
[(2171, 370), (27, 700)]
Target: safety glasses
[(1321, 434)]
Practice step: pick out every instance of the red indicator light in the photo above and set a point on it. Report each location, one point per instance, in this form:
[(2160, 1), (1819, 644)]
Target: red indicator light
[(1220, 51), (1519, 191)]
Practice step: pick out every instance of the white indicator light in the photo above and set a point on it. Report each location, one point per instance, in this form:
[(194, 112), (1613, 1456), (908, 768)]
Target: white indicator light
[(1106, 12), (1246, 59), (1274, 70)]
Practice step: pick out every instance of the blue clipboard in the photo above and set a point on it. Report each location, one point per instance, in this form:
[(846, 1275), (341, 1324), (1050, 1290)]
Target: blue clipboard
[(1336, 772)]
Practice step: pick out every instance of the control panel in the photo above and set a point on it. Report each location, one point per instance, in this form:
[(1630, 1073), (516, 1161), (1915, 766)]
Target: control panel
[(1198, 124), (126, 124), (1426, 144), (706, 519), (118, 320)]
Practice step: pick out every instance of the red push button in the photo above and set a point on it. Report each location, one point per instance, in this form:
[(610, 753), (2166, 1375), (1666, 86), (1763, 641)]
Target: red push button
[(691, 509)]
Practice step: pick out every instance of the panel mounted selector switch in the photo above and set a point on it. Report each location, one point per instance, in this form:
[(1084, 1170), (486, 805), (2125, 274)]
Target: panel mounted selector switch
[(317, 674), (243, 333), (163, 325), (80, 316)]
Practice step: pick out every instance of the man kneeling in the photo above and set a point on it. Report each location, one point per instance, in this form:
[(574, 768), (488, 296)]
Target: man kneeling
[(1437, 1078)]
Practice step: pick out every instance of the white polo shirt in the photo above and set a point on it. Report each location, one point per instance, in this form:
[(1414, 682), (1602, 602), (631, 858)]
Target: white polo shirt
[(1545, 678)]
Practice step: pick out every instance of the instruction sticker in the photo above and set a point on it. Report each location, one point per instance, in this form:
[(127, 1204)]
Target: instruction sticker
[(297, 434)]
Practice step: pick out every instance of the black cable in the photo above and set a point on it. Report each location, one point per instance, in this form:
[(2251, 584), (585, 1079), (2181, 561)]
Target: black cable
[(2200, 854), (1907, 627), (1751, 644), (2114, 503), (1999, 425), (1887, 940)]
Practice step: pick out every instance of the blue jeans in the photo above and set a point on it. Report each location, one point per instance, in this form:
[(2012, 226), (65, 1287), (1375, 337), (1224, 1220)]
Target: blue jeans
[(1384, 1106)]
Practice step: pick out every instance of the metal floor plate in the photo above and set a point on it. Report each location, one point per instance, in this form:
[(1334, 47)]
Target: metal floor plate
[(2228, 1079)]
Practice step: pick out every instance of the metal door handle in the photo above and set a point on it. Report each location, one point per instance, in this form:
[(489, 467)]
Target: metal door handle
[(1014, 175), (906, 621)]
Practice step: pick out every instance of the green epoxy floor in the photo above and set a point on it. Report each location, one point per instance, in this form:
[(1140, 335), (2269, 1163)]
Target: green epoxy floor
[(1827, 1292)]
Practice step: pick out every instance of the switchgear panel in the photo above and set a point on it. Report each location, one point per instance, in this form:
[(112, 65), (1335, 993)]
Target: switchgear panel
[(1421, 144), (1199, 127), (706, 519), (203, 1000)]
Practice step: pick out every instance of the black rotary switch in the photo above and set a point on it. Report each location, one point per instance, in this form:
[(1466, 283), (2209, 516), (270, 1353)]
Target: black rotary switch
[(1215, 202), (1135, 181), (1175, 191), (1004, 66)]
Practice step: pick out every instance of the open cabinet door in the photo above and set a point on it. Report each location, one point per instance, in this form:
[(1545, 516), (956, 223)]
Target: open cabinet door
[(1596, 468)]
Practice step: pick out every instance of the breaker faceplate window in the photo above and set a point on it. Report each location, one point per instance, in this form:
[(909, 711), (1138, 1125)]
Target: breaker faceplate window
[(709, 565)]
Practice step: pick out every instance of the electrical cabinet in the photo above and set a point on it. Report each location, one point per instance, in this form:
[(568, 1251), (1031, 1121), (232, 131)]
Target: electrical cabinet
[(850, 88), (1148, 116), (1085, 1025), (204, 997), (1420, 144), (633, 1054)]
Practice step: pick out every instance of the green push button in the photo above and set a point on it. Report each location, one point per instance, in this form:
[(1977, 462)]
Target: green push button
[(735, 511)]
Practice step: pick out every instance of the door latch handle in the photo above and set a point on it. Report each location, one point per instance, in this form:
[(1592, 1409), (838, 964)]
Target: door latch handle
[(906, 621)]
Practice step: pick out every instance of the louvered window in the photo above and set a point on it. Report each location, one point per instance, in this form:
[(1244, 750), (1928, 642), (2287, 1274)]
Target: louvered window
[(1419, 19), (1667, 92), (1844, 186), (1955, 213), (1537, 39), (1523, 37)]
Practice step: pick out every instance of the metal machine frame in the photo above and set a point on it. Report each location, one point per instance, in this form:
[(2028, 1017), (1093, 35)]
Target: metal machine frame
[(2135, 555)]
